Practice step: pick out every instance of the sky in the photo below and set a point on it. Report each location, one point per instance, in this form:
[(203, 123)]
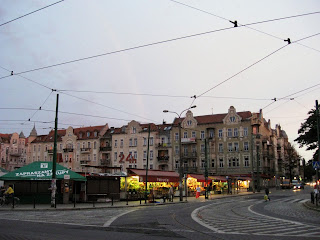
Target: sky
[(115, 61)]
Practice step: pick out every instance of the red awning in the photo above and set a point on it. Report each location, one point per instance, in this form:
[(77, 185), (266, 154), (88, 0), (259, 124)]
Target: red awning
[(199, 177), (154, 175), (219, 178)]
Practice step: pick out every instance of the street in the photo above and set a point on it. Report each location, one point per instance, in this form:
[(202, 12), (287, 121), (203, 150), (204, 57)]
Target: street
[(241, 217)]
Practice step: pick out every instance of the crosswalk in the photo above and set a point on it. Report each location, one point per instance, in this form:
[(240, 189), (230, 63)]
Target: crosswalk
[(237, 217)]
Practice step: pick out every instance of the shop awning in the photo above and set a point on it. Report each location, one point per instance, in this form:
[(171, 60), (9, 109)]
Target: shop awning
[(200, 177), (154, 175), (218, 178), (42, 171)]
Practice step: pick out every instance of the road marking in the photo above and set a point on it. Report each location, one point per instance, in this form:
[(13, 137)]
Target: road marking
[(111, 220)]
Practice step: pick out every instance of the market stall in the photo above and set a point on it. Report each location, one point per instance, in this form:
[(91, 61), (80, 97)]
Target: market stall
[(219, 184), (194, 180), (158, 183)]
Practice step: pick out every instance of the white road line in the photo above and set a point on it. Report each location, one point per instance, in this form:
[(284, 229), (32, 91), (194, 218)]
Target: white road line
[(111, 220)]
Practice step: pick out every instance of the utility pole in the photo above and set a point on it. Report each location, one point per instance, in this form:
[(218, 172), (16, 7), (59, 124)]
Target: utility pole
[(206, 168), (54, 160), (181, 163), (318, 135), (252, 164), (146, 190), (258, 170)]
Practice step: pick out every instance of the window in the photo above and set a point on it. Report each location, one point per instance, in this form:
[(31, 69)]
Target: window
[(60, 146), (220, 162), (220, 133), (46, 147), (94, 157), (130, 142), (135, 142), (115, 143), (185, 151), (220, 147), (202, 148), (135, 155), (176, 136), (88, 134), (134, 130), (193, 134), (89, 144), (176, 149), (80, 135), (94, 145), (163, 140), (83, 145), (229, 132), (151, 141), (185, 134), (212, 163), (115, 156), (235, 132), (229, 147), (202, 135), (203, 163), (177, 164), (232, 119), (189, 123), (151, 155), (211, 133), (194, 164), (236, 147), (78, 146), (34, 148), (151, 166), (144, 141), (194, 151), (121, 143), (39, 148), (245, 131), (246, 146), (246, 161), (95, 134), (144, 155)]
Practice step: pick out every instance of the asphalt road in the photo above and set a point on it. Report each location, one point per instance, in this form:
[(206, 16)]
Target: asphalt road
[(243, 217)]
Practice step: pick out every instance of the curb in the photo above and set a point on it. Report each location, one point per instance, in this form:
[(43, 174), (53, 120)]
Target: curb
[(122, 206), (311, 207)]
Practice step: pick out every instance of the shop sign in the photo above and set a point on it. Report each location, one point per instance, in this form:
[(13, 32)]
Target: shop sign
[(129, 158)]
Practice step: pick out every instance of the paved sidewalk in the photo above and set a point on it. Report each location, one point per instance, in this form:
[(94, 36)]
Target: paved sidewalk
[(115, 204)]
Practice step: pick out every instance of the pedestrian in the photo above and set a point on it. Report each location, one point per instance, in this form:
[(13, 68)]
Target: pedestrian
[(267, 194), (316, 193), (171, 194), (198, 191)]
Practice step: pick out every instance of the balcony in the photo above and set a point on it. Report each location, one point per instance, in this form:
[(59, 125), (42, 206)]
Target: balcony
[(85, 150), (105, 162), (84, 162), (188, 141), (105, 149), (68, 150), (164, 145), (15, 154), (50, 151), (189, 155), (163, 159)]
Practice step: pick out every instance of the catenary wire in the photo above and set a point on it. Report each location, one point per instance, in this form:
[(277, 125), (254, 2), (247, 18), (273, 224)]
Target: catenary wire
[(253, 64), (30, 13), (248, 25), (129, 49)]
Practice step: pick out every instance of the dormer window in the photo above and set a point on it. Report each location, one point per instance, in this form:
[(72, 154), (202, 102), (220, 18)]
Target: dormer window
[(80, 135), (189, 123), (232, 119), (88, 134), (134, 130), (95, 134)]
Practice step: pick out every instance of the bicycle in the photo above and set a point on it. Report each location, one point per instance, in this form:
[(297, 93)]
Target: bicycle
[(5, 201)]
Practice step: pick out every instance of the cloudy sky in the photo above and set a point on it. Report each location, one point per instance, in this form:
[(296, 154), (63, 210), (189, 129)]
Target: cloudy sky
[(113, 61)]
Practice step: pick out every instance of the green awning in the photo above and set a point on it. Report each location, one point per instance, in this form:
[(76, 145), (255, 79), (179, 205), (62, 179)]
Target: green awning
[(2, 170), (42, 171)]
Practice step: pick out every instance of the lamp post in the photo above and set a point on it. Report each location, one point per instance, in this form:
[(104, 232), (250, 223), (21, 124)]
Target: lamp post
[(180, 152)]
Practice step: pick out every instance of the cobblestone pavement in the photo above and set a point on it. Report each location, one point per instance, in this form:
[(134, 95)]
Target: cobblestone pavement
[(236, 216), (94, 217)]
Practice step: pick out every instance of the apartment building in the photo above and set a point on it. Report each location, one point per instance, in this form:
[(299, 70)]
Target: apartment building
[(130, 146), (77, 148), (13, 150)]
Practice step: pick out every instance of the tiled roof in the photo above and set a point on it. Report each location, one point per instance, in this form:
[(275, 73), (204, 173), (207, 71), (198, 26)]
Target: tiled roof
[(215, 118)]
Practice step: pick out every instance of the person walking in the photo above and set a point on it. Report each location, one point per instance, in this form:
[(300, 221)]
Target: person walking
[(171, 194), (267, 194), (198, 191)]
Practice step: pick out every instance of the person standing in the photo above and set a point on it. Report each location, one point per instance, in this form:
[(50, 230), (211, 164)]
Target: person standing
[(267, 193), (171, 194), (198, 191)]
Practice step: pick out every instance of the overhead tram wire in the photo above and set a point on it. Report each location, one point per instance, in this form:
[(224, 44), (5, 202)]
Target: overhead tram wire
[(30, 13), (253, 64), (136, 47), (248, 25), (63, 112), (105, 106)]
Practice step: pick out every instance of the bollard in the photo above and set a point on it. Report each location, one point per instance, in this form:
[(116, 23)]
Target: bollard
[(93, 203), (312, 197), (112, 200), (34, 201), (13, 200), (140, 199), (127, 200)]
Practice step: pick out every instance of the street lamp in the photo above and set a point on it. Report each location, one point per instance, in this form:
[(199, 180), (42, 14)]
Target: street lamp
[(180, 152)]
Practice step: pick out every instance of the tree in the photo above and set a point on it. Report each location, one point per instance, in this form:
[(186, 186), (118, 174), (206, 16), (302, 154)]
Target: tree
[(308, 134), (309, 171)]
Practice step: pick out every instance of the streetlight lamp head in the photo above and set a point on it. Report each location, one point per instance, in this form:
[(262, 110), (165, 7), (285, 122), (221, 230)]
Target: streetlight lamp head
[(165, 111), (194, 106)]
